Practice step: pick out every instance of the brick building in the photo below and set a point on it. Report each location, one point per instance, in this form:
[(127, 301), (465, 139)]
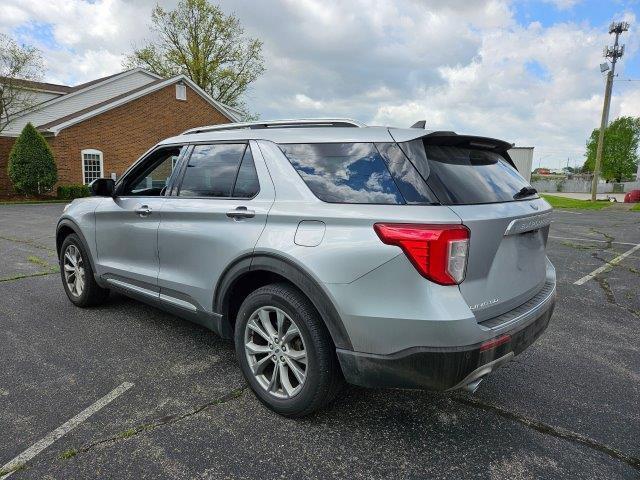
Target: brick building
[(99, 128)]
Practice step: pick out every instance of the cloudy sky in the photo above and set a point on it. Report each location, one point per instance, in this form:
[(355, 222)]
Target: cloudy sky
[(525, 71)]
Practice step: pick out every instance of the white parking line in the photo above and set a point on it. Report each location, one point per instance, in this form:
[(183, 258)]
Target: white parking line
[(63, 429), (607, 266), (589, 240)]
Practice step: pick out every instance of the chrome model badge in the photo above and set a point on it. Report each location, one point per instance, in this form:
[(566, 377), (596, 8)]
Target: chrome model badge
[(481, 305)]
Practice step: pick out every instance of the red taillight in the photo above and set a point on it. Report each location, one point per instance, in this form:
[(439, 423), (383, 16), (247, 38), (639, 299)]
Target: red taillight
[(439, 252), (495, 342)]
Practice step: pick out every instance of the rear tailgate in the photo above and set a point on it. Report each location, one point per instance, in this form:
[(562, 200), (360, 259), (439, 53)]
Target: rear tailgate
[(507, 260), (508, 222)]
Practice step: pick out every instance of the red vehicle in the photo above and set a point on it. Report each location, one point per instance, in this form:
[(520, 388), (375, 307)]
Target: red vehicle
[(632, 197)]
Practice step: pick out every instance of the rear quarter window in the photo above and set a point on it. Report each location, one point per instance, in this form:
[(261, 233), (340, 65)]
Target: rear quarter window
[(344, 172)]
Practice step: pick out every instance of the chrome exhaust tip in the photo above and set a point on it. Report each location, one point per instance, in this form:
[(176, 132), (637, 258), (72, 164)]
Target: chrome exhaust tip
[(473, 386)]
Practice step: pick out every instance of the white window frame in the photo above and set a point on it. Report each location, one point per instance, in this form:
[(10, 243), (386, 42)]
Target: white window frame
[(91, 151), (181, 92)]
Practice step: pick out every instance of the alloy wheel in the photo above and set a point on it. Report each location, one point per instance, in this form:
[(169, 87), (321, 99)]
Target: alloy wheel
[(276, 352), (73, 270)]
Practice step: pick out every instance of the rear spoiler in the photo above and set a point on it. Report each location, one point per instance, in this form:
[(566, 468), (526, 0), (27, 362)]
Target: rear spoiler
[(485, 143), (453, 139), (449, 138)]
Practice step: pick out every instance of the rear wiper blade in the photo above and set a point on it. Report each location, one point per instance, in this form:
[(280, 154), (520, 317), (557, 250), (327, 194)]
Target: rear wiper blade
[(525, 192)]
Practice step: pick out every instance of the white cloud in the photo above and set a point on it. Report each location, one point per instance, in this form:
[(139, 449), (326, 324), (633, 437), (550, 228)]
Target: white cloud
[(81, 40), (305, 102), (629, 104), (564, 4)]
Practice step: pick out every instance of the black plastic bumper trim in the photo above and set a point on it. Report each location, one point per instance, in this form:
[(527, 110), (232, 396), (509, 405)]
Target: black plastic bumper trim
[(435, 368)]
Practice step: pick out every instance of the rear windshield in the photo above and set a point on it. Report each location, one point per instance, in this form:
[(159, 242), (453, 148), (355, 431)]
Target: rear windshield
[(463, 176), (358, 173)]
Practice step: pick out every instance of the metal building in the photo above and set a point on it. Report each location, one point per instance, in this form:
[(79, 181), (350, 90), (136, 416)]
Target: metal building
[(523, 158)]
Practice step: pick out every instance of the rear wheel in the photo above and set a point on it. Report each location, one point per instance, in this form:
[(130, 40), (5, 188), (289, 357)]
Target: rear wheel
[(77, 274), (285, 351)]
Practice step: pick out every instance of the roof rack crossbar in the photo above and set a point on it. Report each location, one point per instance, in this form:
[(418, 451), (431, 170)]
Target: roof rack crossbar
[(301, 123)]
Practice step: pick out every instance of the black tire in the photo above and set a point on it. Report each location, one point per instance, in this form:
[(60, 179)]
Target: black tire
[(92, 294), (323, 375)]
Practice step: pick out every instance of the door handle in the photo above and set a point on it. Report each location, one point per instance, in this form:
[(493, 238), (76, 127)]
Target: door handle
[(143, 210), (241, 212)]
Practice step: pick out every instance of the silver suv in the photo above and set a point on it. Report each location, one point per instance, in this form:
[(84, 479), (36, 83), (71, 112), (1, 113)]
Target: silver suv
[(327, 250)]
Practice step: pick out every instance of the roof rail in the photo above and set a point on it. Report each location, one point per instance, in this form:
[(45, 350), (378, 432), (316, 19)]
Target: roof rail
[(301, 123)]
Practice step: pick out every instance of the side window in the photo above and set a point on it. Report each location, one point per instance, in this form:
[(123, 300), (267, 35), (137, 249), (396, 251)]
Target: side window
[(152, 176), (344, 172), (212, 169), (247, 184)]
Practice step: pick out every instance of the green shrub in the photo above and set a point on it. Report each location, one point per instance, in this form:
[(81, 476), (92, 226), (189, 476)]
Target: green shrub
[(69, 192), (32, 168)]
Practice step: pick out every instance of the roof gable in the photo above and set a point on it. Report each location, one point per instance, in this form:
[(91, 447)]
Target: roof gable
[(82, 97), (64, 122)]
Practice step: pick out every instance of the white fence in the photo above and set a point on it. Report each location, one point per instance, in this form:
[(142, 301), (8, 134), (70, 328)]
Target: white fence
[(581, 186)]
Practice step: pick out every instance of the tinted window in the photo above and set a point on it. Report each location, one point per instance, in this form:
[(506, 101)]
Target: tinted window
[(153, 174), (467, 176), (344, 172), (409, 182), (211, 170), (247, 184), (415, 151)]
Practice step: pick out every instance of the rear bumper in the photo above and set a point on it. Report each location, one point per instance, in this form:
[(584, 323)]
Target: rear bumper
[(442, 368)]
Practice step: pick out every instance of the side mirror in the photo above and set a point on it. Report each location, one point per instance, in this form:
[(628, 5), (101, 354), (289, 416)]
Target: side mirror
[(102, 187)]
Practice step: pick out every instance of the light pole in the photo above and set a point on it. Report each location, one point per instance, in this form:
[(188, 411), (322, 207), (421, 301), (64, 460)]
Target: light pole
[(614, 53)]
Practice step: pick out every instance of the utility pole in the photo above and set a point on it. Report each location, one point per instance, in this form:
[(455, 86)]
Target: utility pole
[(613, 53)]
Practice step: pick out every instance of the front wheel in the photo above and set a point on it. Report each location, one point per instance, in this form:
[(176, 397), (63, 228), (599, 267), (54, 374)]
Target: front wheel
[(77, 274), (285, 351)]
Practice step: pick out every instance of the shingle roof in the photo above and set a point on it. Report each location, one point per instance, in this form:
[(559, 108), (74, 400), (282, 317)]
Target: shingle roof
[(55, 87), (52, 87)]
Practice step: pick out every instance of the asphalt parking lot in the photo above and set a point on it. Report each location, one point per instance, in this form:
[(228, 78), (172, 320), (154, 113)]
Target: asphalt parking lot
[(567, 407)]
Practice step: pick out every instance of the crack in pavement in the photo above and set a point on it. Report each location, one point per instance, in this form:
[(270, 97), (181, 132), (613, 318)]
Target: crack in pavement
[(558, 432), (606, 288), (608, 238), (28, 242), (618, 265), (608, 291), (28, 275), (166, 420)]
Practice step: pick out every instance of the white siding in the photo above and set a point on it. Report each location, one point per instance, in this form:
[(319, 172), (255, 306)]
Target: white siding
[(74, 102), (41, 97), (30, 97), (523, 158)]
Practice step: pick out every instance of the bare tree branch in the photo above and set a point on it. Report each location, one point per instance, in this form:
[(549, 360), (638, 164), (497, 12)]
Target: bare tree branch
[(18, 65)]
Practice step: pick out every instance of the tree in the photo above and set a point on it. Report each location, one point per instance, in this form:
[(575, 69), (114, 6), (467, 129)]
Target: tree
[(32, 168), (198, 40), (620, 153), (17, 64)]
